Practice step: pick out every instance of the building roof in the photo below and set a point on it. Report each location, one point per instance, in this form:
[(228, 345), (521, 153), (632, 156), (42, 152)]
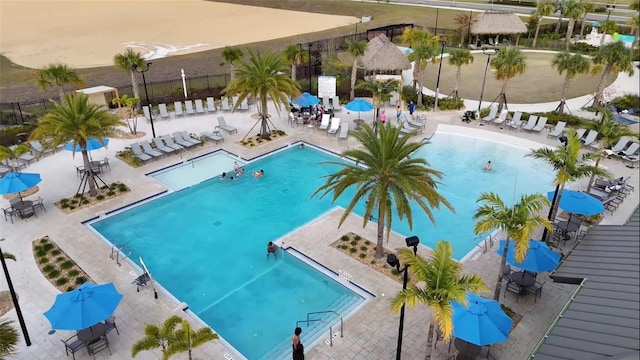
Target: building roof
[(498, 22), (97, 90), (382, 54), (603, 320)]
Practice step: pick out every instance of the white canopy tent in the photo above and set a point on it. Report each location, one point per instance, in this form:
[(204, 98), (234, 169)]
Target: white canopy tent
[(100, 95)]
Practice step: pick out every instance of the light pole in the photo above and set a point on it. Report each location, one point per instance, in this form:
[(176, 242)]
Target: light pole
[(14, 298), (563, 139), (489, 53), (435, 106), (393, 260), (610, 8), (136, 68)]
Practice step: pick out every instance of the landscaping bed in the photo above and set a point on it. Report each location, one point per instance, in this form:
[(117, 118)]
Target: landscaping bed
[(364, 250), (81, 201), (252, 142), (57, 266)]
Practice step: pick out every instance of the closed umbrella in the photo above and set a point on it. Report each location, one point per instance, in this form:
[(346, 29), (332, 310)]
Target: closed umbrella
[(306, 99), (482, 322), (359, 104), (83, 307), (15, 182), (539, 258)]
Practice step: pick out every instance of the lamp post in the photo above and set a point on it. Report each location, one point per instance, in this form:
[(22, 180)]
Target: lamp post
[(563, 139), (489, 53), (14, 298), (435, 106), (136, 68), (393, 260), (610, 8)]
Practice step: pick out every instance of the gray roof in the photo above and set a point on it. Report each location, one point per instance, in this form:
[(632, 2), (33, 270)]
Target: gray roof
[(603, 321)]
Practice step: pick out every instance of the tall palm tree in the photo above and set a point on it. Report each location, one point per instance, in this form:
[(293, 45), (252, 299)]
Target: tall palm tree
[(356, 48), (381, 91), (263, 76), (614, 58), (414, 36), (128, 110), (572, 65), (8, 338), (126, 61), (587, 8), (609, 132), (634, 22), (58, 75), (508, 64), (187, 339), (422, 54), (607, 27), (517, 221), (231, 55), (569, 164), (542, 9), (572, 10), (157, 337), (296, 56), (77, 121), (437, 282), (459, 58), (386, 178), (11, 155)]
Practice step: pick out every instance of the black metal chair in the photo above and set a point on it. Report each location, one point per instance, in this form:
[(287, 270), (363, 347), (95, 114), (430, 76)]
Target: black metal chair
[(99, 345), (39, 204), (506, 273), (514, 288), (110, 324), (11, 213), (72, 346), (536, 290), (105, 163)]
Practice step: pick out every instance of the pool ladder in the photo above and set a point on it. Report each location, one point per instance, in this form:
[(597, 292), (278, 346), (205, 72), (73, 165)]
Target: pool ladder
[(482, 240), (184, 161), (308, 320), (119, 252)]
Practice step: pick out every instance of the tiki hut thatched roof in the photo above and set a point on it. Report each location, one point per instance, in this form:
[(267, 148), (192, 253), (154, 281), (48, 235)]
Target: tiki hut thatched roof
[(382, 54), (498, 23)]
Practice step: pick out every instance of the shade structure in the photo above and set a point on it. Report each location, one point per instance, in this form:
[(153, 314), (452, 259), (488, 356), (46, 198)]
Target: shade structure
[(539, 258), (92, 144), (498, 22), (83, 307), (482, 322), (577, 202), (306, 99), (15, 182), (359, 104), (383, 55)]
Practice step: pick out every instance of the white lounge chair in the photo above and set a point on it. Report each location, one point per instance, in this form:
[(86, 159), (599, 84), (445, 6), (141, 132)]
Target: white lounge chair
[(199, 107), (324, 123), (169, 141), (558, 130), (580, 133), (531, 123), (412, 123), (620, 145), (146, 147), (211, 104), (244, 104), (222, 124), (39, 149), (405, 128), (336, 104), (188, 104), (177, 109), (225, 104), (26, 157), (493, 111), (325, 103), (502, 118), (631, 150), (590, 138), (542, 122), (180, 141), (515, 122), (234, 101), (335, 125), (147, 114), (394, 99), (212, 136), (137, 152), (164, 114), (186, 137), (344, 130), (161, 146)]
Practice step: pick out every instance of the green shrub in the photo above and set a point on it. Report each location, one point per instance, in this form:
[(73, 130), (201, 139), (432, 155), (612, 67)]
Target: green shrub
[(72, 207), (64, 201), (80, 280), (77, 196), (627, 102), (409, 94), (353, 242), (43, 260), (584, 48), (74, 272), (48, 268), (70, 288), (357, 237), (44, 240), (344, 238), (122, 188), (53, 274), (100, 197), (47, 246), (41, 253), (553, 118), (353, 250), (61, 281), (443, 104), (55, 252), (364, 248), (64, 206), (61, 259), (362, 255), (367, 242), (66, 265), (37, 248)]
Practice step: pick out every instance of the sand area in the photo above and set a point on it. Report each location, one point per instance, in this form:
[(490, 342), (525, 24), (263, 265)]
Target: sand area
[(88, 33)]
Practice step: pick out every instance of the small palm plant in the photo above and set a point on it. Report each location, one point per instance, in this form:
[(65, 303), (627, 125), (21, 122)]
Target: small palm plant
[(187, 339), (607, 27), (12, 155), (296, 56), (231, 55), (128, 109), (459, 58), (8, 338), (127, 61), (381, 91)]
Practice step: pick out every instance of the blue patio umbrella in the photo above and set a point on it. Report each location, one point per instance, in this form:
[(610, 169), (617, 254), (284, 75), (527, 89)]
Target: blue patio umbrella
[(482, 322), (306, 99), (15, 182), (359, 105), (92, 144), (539, 258), (577, 202), (83, 307)]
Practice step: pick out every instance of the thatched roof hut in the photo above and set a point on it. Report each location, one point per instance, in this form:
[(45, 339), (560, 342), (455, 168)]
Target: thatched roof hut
[(382, 54), (498, 23)]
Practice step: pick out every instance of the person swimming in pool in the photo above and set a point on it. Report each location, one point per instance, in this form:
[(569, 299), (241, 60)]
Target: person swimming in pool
[(271, 249), (223, 176), (257, 174), (488, 167)]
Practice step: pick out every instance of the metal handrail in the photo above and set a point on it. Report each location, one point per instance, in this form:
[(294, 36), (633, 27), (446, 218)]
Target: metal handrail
[(324, 322), (118, 249), (329, 312), (308, 320)]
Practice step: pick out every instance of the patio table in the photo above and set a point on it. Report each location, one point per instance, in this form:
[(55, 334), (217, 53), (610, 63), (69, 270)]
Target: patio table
[(358, 122), (467, 350), (568, 226), (20, 206), (92, 333), (523, 278)]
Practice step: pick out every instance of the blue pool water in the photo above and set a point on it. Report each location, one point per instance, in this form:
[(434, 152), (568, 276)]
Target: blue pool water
[(206, 243)]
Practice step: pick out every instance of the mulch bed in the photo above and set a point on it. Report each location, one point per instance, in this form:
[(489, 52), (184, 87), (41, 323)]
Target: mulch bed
[(72, 204), (61, 271), (6, 303)]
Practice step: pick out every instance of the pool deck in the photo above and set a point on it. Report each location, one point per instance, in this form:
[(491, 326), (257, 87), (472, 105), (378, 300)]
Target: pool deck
[(371, 333)]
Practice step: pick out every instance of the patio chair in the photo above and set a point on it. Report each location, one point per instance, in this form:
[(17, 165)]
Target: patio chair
[(631, 150), (335, 125), (186, 137), (325, 103), (73, 345), (110, 325), (344, 130), (146, 147), (558, 130), (406, 129), (493, 111), (211, 105), (506, 272), (39, 149), (530, 123), (620, 145), (234, 101), (169, 141), (244, 104), (164, 114), (199, 107), (225, 104), (39, 203), (515, 122), (535, 289), (26, 157), (580, 133), (212, 136), (98, 345), (105, 163), (222, 124), (137, 152), (412, 123), (177, 109), (590, 138), (514, 288), (10, 212), (161, 146), (188, 104), (324, 123), (181, 141), (146, 112), (501, 119), (336, 103), (542, 122), (13, 165)]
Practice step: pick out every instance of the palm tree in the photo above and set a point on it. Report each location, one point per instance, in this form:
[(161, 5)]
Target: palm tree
[(441, 282), (459, 58), (634, 22), (128, 110), (542, 9), (518, 222), (296, 56), (157, 337), (381, 91), (231, 55), (77, 121), (187, 339), (12, 155), (572, 64), (609, 132), (607, 27), (386, 178), (127, 61), (614, 58), (587, 7), (572, 10), (569, 164), (356, 48), (263, 77), (414, 36), (421, 55), (8, 338), (58, 75), (508, 64)]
